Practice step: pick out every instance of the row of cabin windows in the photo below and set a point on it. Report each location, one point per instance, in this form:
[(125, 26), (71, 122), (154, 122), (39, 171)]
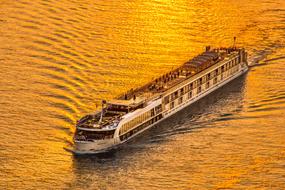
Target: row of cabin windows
[(140, 127), (200, 81), (93, 135), (129, 125), (140, 119), (180, 100)]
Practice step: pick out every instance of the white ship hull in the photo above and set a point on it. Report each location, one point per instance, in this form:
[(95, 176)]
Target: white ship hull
[(87, 147)]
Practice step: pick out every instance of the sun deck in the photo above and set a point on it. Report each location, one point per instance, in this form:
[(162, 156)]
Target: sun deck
[(176, 76)]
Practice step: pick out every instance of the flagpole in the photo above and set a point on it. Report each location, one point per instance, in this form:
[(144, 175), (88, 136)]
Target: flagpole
[(101, 117)]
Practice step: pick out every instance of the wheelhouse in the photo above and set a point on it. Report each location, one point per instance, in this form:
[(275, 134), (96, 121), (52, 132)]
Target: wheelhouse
[(125, 106)]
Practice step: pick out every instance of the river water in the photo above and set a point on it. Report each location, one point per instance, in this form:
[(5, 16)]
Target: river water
[(58, 59)]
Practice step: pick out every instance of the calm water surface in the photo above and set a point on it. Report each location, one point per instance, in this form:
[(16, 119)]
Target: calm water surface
[(58, 59)]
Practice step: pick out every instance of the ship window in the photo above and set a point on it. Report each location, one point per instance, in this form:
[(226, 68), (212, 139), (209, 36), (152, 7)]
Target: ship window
[(166, 100), (208, 76), (207, 84), (152, 112), (180, 100), (117, 108), (190, 95), (176, 94), (172, 96), (215, 80), (94, 135), (199, 81), (216, 72), (199, 89), (194, 84), (181, 91), (172, 105), (186, 88), (191, 86)]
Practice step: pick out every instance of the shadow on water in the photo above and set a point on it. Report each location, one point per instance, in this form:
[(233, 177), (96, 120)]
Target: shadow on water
[(186, 121), (222, 104)]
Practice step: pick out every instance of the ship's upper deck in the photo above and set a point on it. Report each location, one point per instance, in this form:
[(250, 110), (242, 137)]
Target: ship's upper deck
[(158, 86)]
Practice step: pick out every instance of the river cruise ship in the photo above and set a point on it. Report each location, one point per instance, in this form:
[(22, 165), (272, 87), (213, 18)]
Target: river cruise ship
[(139, 109)]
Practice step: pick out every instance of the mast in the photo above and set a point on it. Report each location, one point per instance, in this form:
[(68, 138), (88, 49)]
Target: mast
[(102, 111)]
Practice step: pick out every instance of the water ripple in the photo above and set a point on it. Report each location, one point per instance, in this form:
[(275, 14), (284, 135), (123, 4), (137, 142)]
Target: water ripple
[(60, 58)]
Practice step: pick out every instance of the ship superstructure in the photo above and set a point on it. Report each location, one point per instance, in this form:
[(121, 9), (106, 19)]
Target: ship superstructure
[(137, 110)]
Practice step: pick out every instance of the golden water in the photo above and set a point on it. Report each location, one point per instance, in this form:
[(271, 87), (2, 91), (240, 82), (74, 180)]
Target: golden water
[(58, 59)]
